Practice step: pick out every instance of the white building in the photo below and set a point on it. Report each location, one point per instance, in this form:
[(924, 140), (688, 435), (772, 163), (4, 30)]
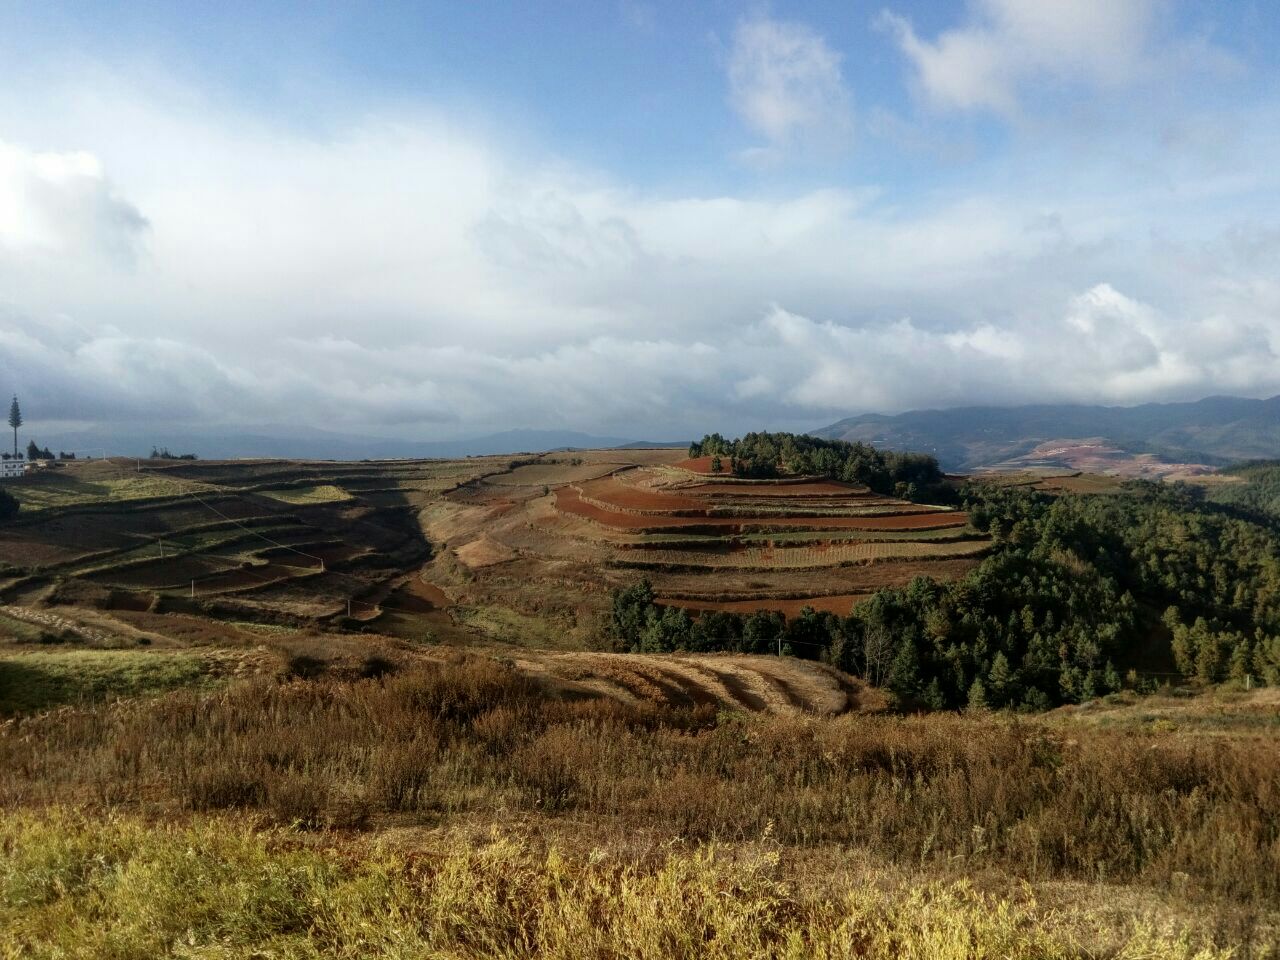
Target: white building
[(11, 469)]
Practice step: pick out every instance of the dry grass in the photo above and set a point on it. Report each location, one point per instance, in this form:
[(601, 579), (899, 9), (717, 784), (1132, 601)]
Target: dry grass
[(77, 886), (806, 558), (476, 738), (80, 486), (316, 493)]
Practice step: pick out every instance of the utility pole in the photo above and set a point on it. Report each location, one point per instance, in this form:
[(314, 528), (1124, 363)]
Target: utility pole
[(193, 589)]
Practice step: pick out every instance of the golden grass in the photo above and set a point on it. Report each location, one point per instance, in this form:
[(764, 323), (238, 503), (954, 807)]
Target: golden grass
[(318, 493), (476, 738), (69, 488), (806, 557), (116, 887)]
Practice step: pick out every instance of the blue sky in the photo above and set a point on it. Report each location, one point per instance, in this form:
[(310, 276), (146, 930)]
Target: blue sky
[(432, 219)]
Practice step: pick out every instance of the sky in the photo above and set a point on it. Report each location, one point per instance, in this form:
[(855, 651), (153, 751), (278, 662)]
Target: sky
[(652, 220)]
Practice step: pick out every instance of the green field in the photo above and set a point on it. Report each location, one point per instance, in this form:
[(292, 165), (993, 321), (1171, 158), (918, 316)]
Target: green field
[(319, 493), (107, 485), (39, 680)]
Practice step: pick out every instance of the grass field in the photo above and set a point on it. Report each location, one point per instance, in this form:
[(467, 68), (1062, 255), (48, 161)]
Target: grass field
[(468, 803), (258, 771), (69, 488), (121, 887), (805, 558), (34, 681), (319, 493)]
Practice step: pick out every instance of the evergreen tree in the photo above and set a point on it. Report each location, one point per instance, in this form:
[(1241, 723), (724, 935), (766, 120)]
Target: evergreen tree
[(977, 696), (1001, 679), (934, 698), (1111, 678), (15, 421), (1241, 661), (904, 674), (631, 608)]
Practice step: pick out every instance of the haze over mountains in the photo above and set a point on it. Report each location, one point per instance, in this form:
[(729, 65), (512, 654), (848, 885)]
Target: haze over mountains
[(305, 443), (1215, 431)]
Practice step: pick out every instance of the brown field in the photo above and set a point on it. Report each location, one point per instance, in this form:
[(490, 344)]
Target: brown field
[(512, 547), (609, 493), (537, 474), (840, 604), (805, 558), (698, 465), (825, 488), (653, 520), (569, 501), (445, 681)]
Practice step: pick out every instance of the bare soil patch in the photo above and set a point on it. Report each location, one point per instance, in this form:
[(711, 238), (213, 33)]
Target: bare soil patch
[(840, 604), (484, 552)]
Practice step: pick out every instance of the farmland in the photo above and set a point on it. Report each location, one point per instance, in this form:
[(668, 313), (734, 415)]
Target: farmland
[(514, 551), (466, 551), (371, 674)]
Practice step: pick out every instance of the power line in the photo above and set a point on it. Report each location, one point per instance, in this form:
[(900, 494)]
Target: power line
[(249, 530), (250, 573)]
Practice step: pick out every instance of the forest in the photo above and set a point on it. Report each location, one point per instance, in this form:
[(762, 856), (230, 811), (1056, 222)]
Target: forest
[(1252, 488), (1082, 595), (768, 455)]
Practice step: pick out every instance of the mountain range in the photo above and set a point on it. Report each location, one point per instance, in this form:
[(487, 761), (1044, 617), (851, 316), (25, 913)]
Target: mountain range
[(1214, 431), (304, 443)]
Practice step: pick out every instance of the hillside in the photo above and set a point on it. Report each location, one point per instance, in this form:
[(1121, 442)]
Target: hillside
[(1214, 431), (320, 709), (475, 549)]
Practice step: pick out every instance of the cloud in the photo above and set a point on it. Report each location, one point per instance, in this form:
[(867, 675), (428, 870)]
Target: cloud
[(402, 270), (1009, 43), (786, 84), (61, 205)]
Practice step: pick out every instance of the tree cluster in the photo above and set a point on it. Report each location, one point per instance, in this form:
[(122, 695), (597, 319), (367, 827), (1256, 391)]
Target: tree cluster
[(163, 453), (769, 455), (1076, 590)]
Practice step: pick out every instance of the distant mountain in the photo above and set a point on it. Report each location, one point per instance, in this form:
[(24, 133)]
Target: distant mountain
[(1217, 430), (309, 444)]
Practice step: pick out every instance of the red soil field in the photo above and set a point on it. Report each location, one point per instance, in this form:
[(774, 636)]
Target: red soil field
[(569, 502), (625, 497), (821, 488), (840, 604), (701, 465)]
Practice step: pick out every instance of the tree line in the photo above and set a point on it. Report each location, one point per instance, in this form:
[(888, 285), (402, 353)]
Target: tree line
[(1080, 596), (769, 455)]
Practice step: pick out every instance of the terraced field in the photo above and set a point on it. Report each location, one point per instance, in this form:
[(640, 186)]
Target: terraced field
[(796, 541), (260, 539), (495, 549)]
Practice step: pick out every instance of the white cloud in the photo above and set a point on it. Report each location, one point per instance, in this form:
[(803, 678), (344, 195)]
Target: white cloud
[(1007, 43), (786, 84), (402, 271), (61, 204)]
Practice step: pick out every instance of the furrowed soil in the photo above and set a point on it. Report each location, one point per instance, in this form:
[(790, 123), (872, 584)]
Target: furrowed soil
[(383, 726), (536, 536)]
